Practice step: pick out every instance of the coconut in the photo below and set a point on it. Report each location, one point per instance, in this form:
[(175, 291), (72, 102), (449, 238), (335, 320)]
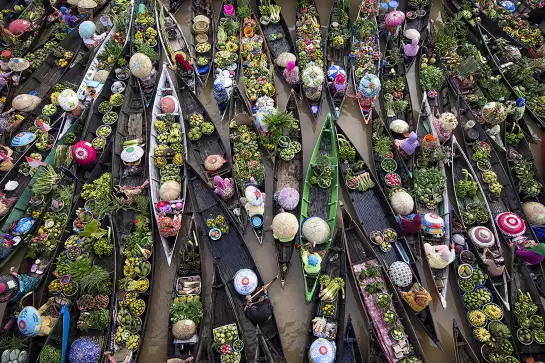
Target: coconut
[(535, 212), (401, 201), (316, 230), (399, 126), (170, 190), (285, 226), (184, 329)]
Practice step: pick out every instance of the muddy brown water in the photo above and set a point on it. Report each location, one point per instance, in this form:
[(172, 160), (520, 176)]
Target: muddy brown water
[(291, 311)]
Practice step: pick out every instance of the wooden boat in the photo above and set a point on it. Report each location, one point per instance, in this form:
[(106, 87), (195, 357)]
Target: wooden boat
[(277, 35), (173, 41), (208, 152), (436, 202), (361, 256), (374, 214), (463, 351), (340, 14), (320, 200), (307, 11), (228, 27), (521, 285), (334, 266), (507, 200), (369, 41), (149, 83), (241, 119), (189, 271), (231, 255), (165, 87), (351, 351), (501, 60), (252, 94), (203, 8), (416, 18), (288, 174), (462, 170), (127, 177), (61, 260), (468, 258)]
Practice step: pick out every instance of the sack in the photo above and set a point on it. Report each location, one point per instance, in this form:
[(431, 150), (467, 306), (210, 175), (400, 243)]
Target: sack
[(418, 297)]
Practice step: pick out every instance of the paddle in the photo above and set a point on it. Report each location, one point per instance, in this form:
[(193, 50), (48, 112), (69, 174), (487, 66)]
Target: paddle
[(265, 287)]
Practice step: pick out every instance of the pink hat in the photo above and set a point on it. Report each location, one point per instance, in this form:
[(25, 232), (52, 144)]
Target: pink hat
[(290, 66)]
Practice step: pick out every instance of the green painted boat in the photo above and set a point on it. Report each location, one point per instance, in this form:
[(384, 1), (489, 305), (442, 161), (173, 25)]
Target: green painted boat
[(319, 199)]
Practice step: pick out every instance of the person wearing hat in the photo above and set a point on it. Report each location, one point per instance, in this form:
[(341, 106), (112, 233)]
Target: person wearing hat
[(312, 262), (260, 311), (439, 256), (182, 65), (530, 251), (291, 73), (87, 33), (68, 18)]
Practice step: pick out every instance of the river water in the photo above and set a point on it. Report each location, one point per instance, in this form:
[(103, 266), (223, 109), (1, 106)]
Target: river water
[(291, 311)]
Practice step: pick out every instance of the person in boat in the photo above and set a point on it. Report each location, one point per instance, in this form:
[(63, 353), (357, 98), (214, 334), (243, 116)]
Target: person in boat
[(291, 73), (87, 33), (312, 262), (67, 17), (260, 311), (182, 65), (407, 147), (530, 251), (439, 256), (338, 86), (253, 200)]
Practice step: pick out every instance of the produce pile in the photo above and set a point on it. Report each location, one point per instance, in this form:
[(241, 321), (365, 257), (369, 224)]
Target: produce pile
[(198, 127), (529, 321), (247, 157), (394, 95), (481, 156), (383, 313), (364, 47), (258, 72), (324, 325), (485, 317), (527, 184), (227, 343)]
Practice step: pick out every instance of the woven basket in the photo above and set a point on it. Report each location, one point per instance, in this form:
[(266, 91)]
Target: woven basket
[(201, 38), (201, 27), (202, 18)]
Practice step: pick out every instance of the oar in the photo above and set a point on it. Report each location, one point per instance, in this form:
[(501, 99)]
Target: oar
[(265, 287)]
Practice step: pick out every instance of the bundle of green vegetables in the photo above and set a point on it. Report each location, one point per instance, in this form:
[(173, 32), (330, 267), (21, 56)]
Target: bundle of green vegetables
[(329, 288)]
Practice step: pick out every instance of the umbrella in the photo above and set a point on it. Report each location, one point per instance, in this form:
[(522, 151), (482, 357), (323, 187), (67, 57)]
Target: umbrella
[(245, 281), (18, 64), (321, 351), (87, 29), (334, 71), (169, 104), (510, 224), (22, 139), (29, 321), (508, 5), (369, 85), (285, 226), (482, 236), (316, 230), (132, 154), (25, 102), (84, 153), (9, 287), (253, 195), (288, 198), (284, 58), (68, 100), (395, 18), (19, 26), (140, 65), (411, 34)]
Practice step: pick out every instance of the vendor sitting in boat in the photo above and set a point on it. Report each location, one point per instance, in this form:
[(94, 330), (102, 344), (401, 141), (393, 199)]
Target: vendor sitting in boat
[(439, 256), (530, 251), (253, 200), (312, 262), (261, 311)]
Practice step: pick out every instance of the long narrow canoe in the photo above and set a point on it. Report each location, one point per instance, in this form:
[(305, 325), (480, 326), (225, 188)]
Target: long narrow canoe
[(231, 254), (288, 174), (166, 88), (189, 272), (461, 171), (203, 8), (374, 214), (417, 15), (208, 151), (173, 41), (320, 201), (351, 351), (435, 202), (463, 351), (361, 256), (334, 266), (339, 25)]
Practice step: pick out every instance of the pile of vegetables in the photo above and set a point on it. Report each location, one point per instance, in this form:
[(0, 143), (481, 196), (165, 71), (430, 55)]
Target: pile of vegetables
[(528, 186), (227, 343), (429, 186), (248, 160), (329, 288), (528, 319)]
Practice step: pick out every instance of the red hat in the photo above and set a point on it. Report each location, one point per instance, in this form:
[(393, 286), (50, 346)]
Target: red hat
[(84, 153), (6, 53)]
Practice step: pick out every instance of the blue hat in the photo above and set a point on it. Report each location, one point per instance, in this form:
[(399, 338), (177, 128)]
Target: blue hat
[(521, 102), (63, 9), (87, 29), (313, 260)]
